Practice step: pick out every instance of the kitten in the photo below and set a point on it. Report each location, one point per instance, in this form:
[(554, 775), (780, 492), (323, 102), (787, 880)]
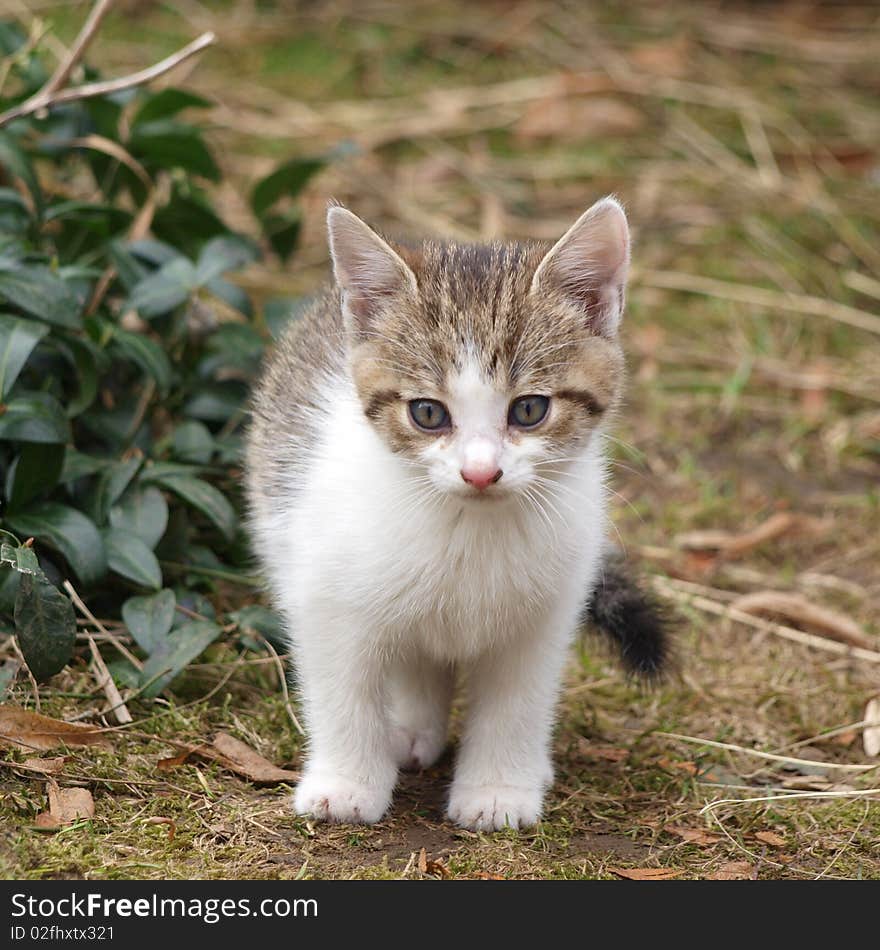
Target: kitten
[(426, 479)]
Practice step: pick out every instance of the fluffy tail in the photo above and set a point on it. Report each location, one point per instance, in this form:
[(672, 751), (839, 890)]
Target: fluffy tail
[(632, 620)]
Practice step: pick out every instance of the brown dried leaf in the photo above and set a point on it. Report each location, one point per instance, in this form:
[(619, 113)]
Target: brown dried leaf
[(845, 739), (161, 820), (438, 869), (423, 861), (234, 755), (798, 611), (605, 753), (30, 731), (669, 764), (694, 835), (555, 118), (241, 758), (486, 876), (646, 874), (43, 766), (771, 838), (733, 871), (708, 540), (66, 805), (810, 783), (174, 761), (871, 735), (734, 545), (663, 58)]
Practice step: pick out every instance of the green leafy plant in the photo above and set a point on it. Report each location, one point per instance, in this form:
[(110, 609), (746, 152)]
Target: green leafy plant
[(126, 350)]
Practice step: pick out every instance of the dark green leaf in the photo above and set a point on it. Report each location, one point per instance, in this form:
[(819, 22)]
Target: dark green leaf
[(169, 144), (35, 472), (216, 402), (192, 442), (107, 218), (79, 465), (261, 619), (40, 292), (232, 295), (20, 558), (154, 252), (282, 231), (18, 337), (149, 618), (188, 221), (225, 253), (67, 530), (165, 289), (34, 417), (109, 486), (12, 37), (18, 163), (202, 496), (15, 216), (128, 556), (124, 673), (147, 355), (176, 652), (142, 511), (45, 626), (83, 356), (288, 180), (166, 104), (10, 581), (129, 269)]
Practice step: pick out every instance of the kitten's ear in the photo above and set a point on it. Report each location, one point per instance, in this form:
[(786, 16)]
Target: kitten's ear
[(367, 269), (589, 264)]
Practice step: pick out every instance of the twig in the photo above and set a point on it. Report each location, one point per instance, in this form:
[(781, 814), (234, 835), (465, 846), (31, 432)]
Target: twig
[(773, 757), (34, 686), (853, 793), (760, 297), (105, 681), (81, 607), (667, 588), (828, 734), (283, 677), (67, 65), (107, 86)]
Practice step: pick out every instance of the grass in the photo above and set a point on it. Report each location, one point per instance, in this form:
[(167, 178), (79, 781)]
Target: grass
[(744, 145)]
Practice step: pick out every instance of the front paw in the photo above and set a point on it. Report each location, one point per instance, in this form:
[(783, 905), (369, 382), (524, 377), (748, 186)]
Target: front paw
[(492, 807), (329, 797)]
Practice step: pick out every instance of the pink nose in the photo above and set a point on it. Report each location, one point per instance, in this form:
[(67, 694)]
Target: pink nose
[(481, 477)]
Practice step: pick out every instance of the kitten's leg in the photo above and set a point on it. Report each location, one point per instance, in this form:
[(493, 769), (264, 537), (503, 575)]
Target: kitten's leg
[(504, 764), (420, 693), (349, 773)]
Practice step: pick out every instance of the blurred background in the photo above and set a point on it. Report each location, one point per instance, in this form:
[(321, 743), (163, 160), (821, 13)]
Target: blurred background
[(742, 137), (744, 141)]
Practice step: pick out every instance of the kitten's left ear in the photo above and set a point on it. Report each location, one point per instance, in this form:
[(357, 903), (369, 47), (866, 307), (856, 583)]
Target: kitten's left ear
[(589, 265)]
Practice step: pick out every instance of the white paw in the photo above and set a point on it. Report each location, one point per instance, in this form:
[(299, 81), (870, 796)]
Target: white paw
[(335, 798), (416, 749), (492, 807)]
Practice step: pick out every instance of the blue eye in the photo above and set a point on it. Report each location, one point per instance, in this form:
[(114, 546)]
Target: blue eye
[(429, 414), (527, 411)]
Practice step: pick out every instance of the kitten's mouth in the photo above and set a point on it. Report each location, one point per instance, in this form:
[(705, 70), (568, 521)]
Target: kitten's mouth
[(485, 495)]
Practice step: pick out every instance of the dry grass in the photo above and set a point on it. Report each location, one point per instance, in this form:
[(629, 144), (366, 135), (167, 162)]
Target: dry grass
[(743, 141)]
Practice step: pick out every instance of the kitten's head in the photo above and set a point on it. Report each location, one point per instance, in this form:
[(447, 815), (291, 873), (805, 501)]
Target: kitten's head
[(488, 366)]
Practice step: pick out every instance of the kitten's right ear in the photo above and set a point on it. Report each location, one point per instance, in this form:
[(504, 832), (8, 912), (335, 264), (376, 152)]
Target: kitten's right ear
[(367, 269)]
